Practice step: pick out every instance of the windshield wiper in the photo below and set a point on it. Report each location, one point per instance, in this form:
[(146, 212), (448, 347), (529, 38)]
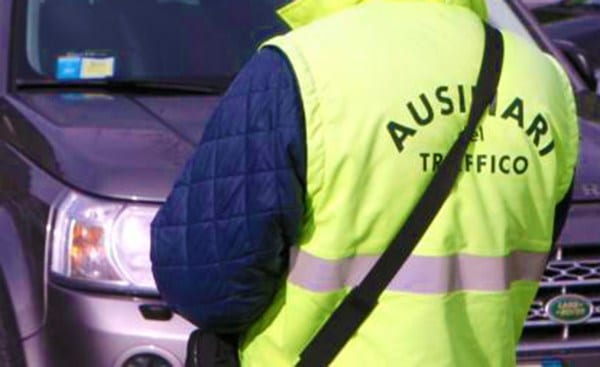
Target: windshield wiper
[(123, 86)]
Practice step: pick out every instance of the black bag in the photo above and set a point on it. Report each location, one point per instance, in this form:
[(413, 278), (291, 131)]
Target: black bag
[(206, 349), (210, 350)]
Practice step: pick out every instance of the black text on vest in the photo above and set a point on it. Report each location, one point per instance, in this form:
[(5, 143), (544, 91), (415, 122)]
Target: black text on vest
[(446, 101)]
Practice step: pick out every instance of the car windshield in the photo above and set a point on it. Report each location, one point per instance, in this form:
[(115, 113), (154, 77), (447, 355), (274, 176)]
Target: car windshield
[(177, 41), (151, 40)]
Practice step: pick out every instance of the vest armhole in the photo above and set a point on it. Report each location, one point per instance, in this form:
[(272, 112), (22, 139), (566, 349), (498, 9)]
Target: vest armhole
[(571, 139), (313, 123)]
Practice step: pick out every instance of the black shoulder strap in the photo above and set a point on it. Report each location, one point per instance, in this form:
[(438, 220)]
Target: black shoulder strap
[(359, 303)]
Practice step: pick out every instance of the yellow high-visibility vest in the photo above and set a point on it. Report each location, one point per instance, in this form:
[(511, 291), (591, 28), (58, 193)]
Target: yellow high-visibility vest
[(386, 88)]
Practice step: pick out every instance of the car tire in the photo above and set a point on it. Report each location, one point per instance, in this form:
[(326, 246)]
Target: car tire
[(11, 349)]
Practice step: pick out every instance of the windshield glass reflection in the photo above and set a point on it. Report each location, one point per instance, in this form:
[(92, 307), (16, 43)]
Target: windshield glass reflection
[(143, 39)]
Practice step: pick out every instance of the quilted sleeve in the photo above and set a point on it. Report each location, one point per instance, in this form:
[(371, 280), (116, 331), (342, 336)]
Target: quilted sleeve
[(220, 242)]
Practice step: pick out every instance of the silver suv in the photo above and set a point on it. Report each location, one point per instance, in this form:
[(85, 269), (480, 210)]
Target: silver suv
[(101, 102)]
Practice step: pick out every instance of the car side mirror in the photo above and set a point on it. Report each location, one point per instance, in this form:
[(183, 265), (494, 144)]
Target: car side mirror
[(581, 62)]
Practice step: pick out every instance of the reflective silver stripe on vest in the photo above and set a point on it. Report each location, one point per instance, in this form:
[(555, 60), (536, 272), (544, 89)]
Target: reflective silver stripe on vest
[(420, 274)]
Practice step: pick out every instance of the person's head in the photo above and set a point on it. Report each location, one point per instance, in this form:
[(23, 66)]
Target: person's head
[(300, 12)]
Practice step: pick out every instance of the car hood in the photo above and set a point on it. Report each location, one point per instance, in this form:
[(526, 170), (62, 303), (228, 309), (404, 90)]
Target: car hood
[(117, 146), (134, 147)]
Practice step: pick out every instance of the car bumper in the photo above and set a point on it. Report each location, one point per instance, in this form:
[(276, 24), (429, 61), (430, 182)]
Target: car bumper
[(88, 329), (564, 356), (570, 360)]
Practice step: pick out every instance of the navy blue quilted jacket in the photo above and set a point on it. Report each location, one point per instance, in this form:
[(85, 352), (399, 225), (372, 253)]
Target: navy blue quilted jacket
[(220, 242)]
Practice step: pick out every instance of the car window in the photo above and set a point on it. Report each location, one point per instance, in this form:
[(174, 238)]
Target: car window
[(143, 39)]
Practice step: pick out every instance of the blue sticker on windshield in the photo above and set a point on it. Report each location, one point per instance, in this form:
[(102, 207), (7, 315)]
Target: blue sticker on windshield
[(68, 67), (85, 66)]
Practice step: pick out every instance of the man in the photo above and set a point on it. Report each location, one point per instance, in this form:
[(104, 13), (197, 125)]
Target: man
[(319, 152)]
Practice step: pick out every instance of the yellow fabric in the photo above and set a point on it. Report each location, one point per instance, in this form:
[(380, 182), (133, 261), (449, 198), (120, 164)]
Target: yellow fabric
[(302, 12), (404, 330), (358, 71)]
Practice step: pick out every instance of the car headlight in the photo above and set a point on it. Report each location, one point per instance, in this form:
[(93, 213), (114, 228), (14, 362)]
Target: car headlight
[(102, 244)]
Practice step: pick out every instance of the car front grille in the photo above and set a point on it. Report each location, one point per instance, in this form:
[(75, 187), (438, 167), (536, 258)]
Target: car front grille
[(574, 269)]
